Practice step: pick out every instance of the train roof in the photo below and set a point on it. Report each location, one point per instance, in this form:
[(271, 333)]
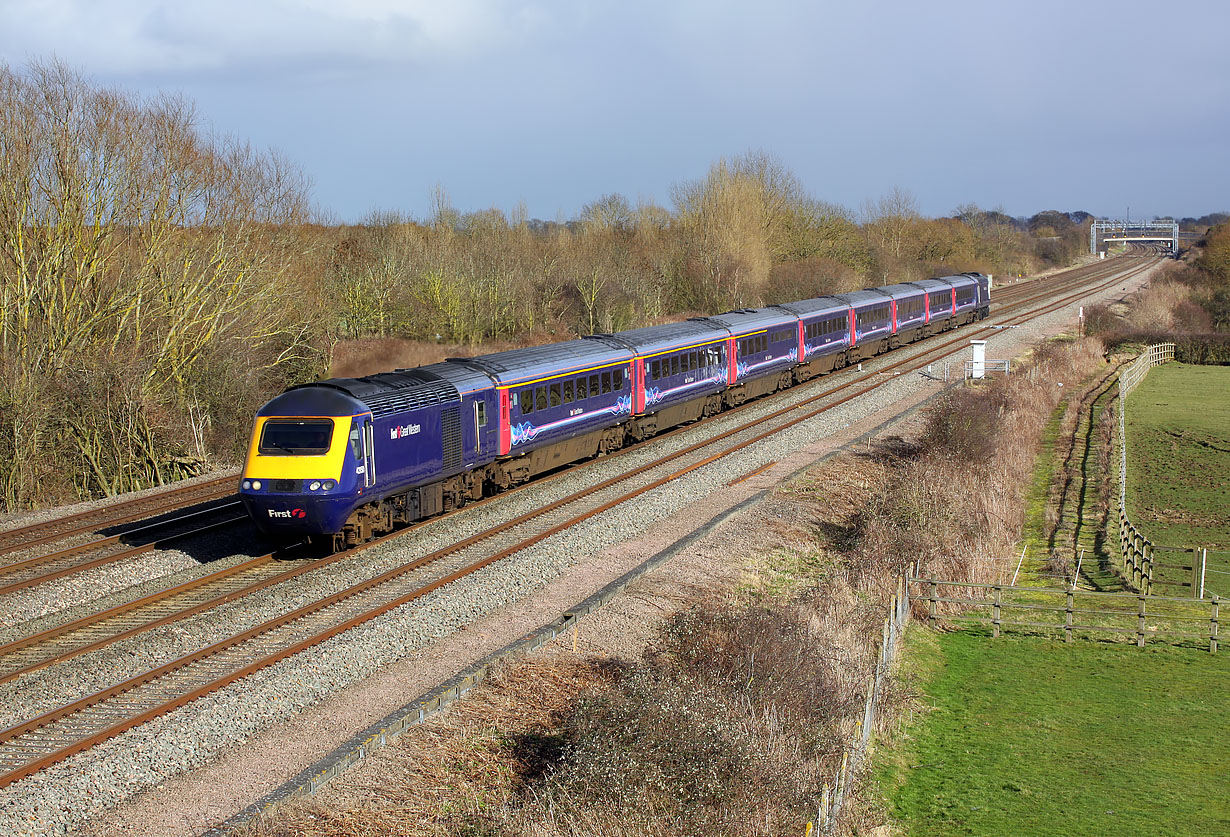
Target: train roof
[(960, 280), (932, 285), (662, 338), (381, 394), (748, 320), (819, 305), (901, 290), (547, 361), (864, 299), (313, 400), (459, 372)]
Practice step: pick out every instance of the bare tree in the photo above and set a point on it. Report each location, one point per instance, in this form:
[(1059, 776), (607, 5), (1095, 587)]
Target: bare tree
[(129, 236), (889, 219)]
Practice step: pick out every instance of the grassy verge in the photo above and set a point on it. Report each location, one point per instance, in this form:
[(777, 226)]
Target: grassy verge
[(1178, 429), (1098, 739)]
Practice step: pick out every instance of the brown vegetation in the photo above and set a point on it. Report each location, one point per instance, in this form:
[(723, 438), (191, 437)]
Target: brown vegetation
[(1189, 305), (142, 268), (731, 721)]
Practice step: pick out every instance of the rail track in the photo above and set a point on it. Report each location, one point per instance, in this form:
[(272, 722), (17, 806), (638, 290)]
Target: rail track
[(183, 506), (50, 566), (56, 734), (114, 514)]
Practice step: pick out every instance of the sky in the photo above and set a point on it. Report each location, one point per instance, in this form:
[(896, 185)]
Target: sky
[(548, 106)]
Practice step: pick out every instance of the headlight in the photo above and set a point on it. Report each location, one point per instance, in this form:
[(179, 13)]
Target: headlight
[(330, 485), (315, 486), (247, 484), (256, 485)]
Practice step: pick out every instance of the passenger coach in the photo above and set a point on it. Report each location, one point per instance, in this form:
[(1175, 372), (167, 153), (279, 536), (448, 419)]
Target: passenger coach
[(349, 458)]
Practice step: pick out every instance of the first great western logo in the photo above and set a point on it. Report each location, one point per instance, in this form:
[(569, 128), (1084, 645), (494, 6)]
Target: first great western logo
[(403, 431)]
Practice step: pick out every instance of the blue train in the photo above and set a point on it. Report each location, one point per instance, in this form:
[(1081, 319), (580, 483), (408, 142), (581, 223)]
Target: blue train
[(346, 459)]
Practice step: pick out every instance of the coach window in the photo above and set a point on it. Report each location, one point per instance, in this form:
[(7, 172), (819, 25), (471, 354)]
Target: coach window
[(674, 364), (618, 375), (540, 398), (581, 392), (526, 398), (606, 382), (657, 369), (567, 392), (593, 385), (555, 398)]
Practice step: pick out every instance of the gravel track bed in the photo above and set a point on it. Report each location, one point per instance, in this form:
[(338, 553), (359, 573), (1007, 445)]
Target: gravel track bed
[(49, 688), (141, 577), (70, 792)]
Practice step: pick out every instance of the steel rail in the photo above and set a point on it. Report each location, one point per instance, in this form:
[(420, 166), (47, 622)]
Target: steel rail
[(97, 543), (137, 508), (112, 557), (35, 725)]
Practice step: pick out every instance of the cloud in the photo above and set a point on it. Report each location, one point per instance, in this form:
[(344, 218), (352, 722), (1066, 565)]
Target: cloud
[(139, 37)]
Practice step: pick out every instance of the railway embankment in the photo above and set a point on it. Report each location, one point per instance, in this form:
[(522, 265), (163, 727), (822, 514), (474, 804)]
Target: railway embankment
[(994, 751), (817, 555)]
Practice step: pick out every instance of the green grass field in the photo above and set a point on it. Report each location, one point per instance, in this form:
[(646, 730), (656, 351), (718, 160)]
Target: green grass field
[(1178, 429), (1028, 736)]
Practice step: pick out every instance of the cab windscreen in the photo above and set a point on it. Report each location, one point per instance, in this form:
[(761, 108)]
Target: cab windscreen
[(288, 437)]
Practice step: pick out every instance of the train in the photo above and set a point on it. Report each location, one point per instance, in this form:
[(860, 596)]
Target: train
[(344, 460)]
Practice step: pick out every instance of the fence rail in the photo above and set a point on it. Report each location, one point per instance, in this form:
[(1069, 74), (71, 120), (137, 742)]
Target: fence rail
[(1001, 600), (1136, 552)]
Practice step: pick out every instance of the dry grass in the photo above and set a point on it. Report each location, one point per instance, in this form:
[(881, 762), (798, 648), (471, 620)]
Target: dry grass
[(734, 718), (451, 771)]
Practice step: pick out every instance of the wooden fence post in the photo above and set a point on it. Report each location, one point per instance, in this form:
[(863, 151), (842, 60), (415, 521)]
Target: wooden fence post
[(1140, 623), (1148, 556), (1213, 625), (933, 602), (995, 612), (1137, 565), (1067, 619)]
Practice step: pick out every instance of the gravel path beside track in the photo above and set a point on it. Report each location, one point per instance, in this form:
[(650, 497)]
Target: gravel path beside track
[(255, 735)]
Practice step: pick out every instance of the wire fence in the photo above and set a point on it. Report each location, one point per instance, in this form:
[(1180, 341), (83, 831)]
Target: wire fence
[(1138, 555), (834, 794), (1073, 612)]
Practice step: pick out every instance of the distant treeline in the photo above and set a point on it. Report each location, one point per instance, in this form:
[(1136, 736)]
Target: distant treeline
[(1204, 222), (159, 282), (747, 234)]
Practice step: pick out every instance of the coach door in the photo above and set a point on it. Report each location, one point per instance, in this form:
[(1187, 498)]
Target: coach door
[(480, 425), (369, 454)]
